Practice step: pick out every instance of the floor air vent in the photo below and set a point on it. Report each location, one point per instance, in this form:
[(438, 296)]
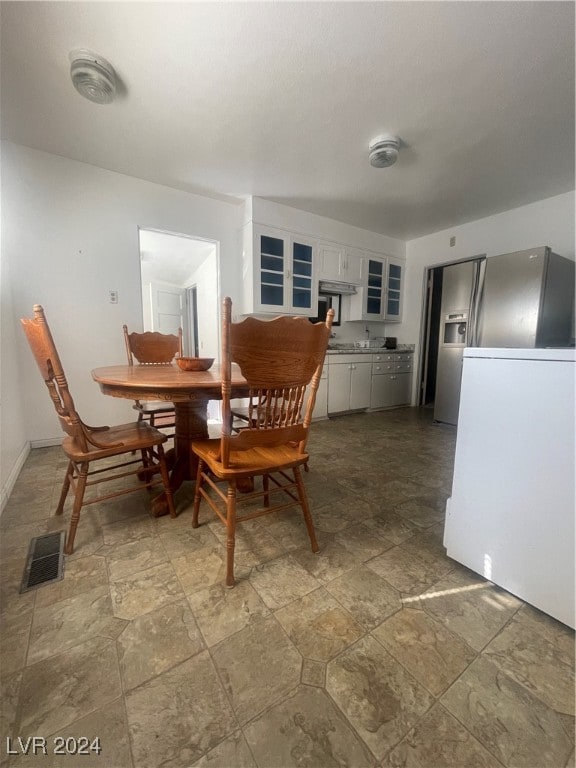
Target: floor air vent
[(45, 562)]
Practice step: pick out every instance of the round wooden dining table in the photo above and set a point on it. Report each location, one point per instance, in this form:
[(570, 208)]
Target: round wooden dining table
[(190, 392)]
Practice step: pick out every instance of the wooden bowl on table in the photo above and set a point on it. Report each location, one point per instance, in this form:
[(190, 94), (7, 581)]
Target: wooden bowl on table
[(194, 363)]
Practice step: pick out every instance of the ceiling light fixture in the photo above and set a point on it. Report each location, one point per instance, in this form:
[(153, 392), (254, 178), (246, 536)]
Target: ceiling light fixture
[(92, 76), (384, 151)]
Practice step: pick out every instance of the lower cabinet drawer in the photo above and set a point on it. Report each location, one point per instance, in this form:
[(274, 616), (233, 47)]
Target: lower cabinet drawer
[(391, 389)]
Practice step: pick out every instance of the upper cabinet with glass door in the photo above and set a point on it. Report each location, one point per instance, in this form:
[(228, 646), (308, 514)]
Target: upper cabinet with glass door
[(380, 297), (375, 289), (302, 284), (279, 273), (394, 280), (369, 302)]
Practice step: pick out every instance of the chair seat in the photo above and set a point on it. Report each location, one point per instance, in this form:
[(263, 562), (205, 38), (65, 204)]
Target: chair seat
[(254, 461), (120, 438)]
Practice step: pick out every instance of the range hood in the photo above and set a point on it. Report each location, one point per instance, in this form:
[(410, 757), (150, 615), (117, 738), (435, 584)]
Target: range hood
[(334, 286)]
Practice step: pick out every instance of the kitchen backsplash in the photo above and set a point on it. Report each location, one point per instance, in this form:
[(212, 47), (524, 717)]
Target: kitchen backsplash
[(351, 333)]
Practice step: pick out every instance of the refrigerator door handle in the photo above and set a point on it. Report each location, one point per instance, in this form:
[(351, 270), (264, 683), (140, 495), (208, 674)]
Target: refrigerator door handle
[(473, 335)]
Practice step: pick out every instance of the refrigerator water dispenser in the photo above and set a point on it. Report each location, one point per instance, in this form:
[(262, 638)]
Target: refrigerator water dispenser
[(455, 326)]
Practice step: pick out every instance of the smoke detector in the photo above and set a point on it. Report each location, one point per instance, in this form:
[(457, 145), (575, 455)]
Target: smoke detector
[(92, 76), (384, 151)]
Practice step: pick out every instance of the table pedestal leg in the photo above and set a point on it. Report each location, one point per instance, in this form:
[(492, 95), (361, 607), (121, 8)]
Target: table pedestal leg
[(191, 424)]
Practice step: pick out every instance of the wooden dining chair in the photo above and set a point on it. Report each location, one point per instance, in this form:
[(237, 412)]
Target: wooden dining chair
[(85, 446), (280, 359), (153, 348)]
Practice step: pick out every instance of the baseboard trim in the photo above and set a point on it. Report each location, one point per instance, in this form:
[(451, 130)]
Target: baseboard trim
[(47, 443), (13, 476)]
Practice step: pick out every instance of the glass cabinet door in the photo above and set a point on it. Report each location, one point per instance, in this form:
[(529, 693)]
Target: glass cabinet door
[(393, 303), (272, 264), (302, 286), (282, 273), (375, 289)]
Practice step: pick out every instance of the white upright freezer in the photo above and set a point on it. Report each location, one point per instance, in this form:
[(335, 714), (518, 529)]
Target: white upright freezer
[(511, 514)]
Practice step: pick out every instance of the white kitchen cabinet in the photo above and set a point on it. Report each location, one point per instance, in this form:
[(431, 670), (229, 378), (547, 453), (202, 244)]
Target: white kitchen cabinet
[(352, 266), (380, 294), (369, 302), (360, 385), (390, 390), (339, 388), (394, 280), (391, 379), (330, 256), (349, 382), (340, 263), (279, 272)]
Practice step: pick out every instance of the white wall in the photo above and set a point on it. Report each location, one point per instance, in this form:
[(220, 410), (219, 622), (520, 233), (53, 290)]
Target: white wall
[(14, 444), (206, 279), (70, 234), (304, 223), (547, 222)]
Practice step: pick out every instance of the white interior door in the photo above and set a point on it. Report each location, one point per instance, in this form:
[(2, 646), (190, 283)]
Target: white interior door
[(167, 308)]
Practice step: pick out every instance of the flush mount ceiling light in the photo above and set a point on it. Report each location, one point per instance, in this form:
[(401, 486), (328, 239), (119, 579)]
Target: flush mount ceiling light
[(92, 76), (384, 151)]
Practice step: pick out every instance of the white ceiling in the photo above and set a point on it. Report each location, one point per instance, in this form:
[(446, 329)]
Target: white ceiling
[(280, 100), (172, 258)]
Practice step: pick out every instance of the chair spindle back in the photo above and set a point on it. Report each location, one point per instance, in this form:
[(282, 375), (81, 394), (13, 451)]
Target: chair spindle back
[(281, 359), (44, 350)]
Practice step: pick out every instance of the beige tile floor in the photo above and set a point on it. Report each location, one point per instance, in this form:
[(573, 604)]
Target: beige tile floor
[(378, 651)]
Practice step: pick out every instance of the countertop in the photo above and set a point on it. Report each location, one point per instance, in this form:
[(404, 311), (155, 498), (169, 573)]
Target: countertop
[(347, 349)]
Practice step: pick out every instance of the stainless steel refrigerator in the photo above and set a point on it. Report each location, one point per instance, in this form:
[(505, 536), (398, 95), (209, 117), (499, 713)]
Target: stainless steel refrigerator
[(517, 300)]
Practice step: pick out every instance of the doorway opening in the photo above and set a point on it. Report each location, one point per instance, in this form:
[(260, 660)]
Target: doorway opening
[(451, 300), (179, 279), (432, 302), (180, 289)]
